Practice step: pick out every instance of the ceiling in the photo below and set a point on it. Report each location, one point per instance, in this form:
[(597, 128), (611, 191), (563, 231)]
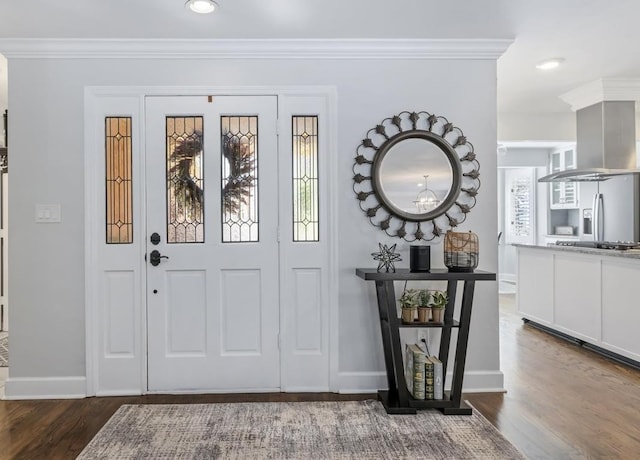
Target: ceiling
[(596, 38)]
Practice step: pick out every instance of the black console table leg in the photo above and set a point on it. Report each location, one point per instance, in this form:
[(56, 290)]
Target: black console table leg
[(396, 399), (461, 351), (462, 409), (385, 329), (445, 336)]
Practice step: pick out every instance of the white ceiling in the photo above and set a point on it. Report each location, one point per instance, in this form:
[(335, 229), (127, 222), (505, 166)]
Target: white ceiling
[(597, 38)]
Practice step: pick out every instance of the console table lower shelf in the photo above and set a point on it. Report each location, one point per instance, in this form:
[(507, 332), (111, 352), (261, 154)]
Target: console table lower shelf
[(397, 399)]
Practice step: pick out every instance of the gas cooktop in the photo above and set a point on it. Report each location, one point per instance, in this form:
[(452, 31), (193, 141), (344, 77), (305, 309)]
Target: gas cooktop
[(619, 245)]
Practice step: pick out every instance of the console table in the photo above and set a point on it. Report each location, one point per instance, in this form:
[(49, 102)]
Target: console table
[(397, 399)]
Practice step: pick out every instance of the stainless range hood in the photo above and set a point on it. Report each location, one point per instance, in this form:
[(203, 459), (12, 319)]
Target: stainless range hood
[(606, 149), (606, 143), (587, 175)]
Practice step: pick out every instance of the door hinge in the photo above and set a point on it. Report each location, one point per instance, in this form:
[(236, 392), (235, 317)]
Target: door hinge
[(278, 341), (278, 234)]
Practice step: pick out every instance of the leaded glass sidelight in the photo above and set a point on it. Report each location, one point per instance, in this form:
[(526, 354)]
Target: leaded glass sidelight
[(119, 200), (185, 180), (305, 178), (239, 153)]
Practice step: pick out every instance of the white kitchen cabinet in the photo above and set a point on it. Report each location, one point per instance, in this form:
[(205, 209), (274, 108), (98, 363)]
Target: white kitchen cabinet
[(563, 195), (620, 309), (589, 294), (577, 295), (535, 285)]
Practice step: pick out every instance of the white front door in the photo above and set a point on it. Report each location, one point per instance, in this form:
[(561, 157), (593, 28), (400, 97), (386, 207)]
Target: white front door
[(212, 216)]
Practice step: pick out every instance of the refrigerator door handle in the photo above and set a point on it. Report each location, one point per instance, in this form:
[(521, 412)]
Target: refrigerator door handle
[(598, 217)]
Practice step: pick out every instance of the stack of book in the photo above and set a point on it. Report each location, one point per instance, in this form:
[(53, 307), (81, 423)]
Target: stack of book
[(423, 374)]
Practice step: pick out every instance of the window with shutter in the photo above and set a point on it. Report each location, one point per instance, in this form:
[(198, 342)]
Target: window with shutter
[(520, 204)]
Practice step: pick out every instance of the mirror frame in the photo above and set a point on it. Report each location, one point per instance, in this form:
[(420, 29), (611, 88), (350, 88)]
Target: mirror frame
[(367, 183), (446, 150)]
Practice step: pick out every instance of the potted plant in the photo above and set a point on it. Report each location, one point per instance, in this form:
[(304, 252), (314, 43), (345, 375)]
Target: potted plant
[(438, 304), (424, 309), (409, 303)]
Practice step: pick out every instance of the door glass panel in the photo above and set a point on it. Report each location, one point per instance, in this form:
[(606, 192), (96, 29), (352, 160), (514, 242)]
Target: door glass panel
[(305, 178), (119, 200), (185, 179), (239, 153)]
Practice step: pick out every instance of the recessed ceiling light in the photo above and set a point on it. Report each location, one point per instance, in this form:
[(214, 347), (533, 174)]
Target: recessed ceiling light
[(201, 6), (549, 64)]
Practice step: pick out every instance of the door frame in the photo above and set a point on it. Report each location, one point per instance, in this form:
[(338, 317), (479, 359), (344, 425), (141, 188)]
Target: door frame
[(97, 99)]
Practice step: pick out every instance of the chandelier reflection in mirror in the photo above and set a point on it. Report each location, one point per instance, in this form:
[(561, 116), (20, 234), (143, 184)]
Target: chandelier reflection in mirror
[(426, 200), (408, 149)]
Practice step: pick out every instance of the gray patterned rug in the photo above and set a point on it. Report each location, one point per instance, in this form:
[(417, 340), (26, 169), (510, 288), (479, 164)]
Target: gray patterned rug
[(296, 430), (4, 351)]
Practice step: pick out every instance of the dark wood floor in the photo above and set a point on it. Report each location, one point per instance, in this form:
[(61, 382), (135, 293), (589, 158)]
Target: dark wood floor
[(563, 402)]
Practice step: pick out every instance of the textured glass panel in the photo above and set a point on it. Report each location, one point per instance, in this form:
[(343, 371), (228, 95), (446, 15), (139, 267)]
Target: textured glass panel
[(119, 200), (185, 180), (239, 145), (305, 178)]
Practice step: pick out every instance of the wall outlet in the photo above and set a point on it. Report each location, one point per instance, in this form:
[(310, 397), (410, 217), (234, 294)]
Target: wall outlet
[(47, 213)]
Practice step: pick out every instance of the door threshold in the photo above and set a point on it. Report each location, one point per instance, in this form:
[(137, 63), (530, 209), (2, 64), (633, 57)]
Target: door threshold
[(204, 392)]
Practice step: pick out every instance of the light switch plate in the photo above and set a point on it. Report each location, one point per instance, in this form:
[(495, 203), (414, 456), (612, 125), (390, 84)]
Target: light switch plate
[(47, 213)]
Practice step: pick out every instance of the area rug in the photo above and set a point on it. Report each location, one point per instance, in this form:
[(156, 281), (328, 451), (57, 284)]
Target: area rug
[(4, 352), (294, 430)]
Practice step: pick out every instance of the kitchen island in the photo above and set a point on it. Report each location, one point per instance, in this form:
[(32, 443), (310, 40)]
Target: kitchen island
[(591, 296)]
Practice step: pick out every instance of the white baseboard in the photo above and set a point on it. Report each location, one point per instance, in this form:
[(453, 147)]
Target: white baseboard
[(348, 383), (45, 388), (507, 277), (482, 382), (361, 382), (371, 382)]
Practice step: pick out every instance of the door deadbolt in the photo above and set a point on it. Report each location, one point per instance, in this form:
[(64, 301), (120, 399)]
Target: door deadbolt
[(155, 256), (155, 238)]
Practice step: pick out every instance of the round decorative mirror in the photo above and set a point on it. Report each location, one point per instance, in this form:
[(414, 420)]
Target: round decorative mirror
[(416, 175)]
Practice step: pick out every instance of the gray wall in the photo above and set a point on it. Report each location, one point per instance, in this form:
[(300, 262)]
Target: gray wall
[(46, 280)]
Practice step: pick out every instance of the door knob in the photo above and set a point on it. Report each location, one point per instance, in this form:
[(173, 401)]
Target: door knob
[(155, 256)]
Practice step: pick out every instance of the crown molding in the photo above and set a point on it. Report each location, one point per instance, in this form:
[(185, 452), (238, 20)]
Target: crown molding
[(36, 48), (603, 89)]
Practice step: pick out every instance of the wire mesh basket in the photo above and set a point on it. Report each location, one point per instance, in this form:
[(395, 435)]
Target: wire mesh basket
[(461, 251)]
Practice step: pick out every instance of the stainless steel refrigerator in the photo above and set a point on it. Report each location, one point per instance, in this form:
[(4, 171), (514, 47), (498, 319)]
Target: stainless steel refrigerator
[(611, 209)]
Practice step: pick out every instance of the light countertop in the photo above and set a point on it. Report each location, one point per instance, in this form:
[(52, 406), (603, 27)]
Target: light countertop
[(628, 253)]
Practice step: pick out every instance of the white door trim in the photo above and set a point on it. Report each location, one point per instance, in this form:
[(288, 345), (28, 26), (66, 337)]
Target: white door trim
[(132, 99)]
